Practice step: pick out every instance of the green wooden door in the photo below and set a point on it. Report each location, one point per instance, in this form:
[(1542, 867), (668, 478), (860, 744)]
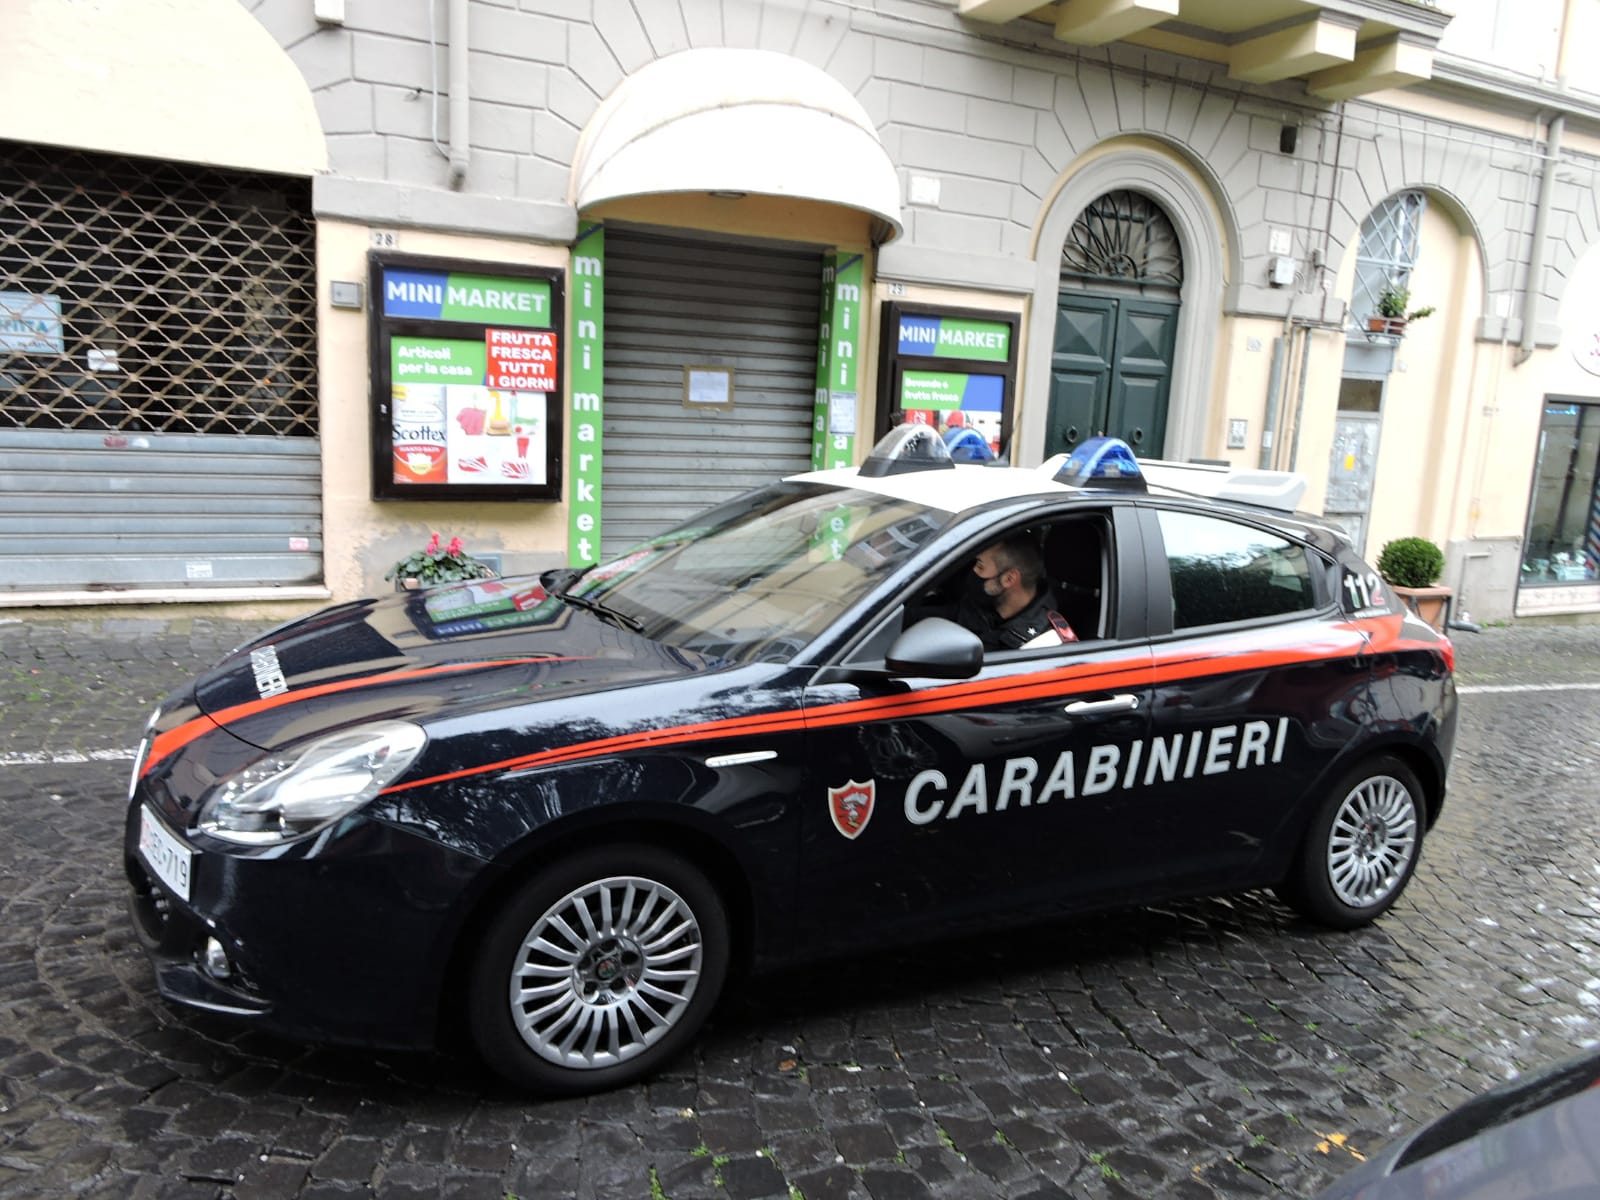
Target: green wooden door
[(1111, 371)]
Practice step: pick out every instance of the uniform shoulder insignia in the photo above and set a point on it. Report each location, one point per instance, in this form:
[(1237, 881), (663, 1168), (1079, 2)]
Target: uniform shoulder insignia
[(1063, 630)]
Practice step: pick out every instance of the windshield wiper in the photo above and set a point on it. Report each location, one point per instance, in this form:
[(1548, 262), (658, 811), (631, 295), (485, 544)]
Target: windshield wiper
[(558, 579), (601, 610)]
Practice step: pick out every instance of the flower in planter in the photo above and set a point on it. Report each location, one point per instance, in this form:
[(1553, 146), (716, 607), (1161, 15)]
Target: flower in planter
[(1392, 303), (435, 564)]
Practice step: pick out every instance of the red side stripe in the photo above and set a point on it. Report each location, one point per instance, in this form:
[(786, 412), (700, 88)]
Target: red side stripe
[(1189, 662), (1193, 661)]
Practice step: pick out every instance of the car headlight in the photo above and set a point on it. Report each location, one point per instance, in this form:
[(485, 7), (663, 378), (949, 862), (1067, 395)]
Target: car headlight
[(288, 796)]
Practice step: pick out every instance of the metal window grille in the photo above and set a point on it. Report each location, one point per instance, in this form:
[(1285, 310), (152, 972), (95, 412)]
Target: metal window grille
[(1390, 237), (1123, 237), (187, 295)]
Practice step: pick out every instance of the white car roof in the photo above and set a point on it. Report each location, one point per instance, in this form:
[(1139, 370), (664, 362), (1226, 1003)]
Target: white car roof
[(952, 491), (969, 485)]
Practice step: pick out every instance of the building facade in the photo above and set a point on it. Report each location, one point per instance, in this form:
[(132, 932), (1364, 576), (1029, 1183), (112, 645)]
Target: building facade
[(552, 275)]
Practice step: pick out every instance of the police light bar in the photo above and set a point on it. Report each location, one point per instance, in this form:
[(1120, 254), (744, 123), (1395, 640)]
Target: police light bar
[(1280, 490), (907, 448), (1101, 462)]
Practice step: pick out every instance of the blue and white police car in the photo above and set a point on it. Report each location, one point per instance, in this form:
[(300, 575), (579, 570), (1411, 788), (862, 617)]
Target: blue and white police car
[(556, 812)]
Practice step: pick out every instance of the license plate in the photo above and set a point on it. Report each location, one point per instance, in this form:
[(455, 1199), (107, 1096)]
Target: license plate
[(168, 857)]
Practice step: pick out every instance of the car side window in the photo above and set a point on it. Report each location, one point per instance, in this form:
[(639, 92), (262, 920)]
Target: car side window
[(1074, 556), (1227, 571), (1077, 562)]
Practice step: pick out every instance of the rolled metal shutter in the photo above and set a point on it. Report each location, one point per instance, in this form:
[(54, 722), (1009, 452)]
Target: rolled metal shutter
[(672, 302), (161, 431), (93, 511)]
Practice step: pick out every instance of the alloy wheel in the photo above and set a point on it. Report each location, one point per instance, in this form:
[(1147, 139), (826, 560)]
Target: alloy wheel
[(1372, 841), (606, 972)]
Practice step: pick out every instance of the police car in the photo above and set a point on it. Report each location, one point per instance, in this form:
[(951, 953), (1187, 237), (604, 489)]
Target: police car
[(557, 813)]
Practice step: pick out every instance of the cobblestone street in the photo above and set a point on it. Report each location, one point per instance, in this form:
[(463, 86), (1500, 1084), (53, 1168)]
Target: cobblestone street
[(1215, 1048)]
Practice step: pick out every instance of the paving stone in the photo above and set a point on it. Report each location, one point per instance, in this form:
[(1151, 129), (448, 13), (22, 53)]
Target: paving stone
[(748, 1178), (1205, 1050)]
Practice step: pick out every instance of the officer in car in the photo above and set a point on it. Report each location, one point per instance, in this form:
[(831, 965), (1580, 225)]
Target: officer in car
[(1011, 604)]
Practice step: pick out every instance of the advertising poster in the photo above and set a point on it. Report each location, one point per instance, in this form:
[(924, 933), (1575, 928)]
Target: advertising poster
[(953, 370), (467, 388), (30, 324), (461, 432)]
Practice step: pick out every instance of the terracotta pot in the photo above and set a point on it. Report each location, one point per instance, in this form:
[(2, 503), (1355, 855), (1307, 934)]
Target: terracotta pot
[(1432, 604), (1390, 325)]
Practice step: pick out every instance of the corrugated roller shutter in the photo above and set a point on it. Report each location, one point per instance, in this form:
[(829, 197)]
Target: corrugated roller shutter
[(674, 302), (107, 510), (158, 399)]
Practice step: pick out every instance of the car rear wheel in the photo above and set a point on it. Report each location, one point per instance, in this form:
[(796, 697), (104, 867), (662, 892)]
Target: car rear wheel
[(599, 970), (1361, 848)]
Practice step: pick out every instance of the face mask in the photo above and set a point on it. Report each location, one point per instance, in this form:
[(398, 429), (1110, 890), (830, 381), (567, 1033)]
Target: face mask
[(975, 590)]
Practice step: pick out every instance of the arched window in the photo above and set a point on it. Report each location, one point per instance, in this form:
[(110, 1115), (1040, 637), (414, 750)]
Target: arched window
[(1387, 254), (1123, 237)]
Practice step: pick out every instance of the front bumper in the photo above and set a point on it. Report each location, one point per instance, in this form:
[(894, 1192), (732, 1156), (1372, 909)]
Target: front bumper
[(345, 937)]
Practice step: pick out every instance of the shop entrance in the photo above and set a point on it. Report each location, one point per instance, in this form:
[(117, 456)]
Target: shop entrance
[(743, 315), (1116, 326), (158, 376)]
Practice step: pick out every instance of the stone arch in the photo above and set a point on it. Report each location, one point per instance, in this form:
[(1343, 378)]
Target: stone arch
[(1346, 243), (1462, 182), (1209, 239)]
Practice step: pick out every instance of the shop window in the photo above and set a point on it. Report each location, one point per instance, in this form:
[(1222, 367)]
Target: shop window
[(1563, 542)]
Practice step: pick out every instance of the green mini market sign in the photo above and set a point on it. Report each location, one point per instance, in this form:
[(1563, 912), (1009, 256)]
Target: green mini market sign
[(588, 392), (954, 337), (430, 295), (833, 425), (946, 391)]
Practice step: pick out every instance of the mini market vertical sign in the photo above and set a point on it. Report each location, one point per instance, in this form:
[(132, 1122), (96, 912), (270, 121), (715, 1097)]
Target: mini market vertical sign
[(467, 375), (833, 426), (588, 391)]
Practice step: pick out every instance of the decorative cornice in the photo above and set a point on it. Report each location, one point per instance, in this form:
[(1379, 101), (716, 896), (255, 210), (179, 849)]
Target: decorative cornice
[(1525, 92)]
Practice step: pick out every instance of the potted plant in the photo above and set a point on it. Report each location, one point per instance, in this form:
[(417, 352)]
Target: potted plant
[(434, 564), (1392, 315), (1411, 566)]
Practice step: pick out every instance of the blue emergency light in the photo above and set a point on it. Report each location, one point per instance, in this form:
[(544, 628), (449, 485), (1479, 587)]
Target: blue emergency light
[(907, 448), (1102, 462)]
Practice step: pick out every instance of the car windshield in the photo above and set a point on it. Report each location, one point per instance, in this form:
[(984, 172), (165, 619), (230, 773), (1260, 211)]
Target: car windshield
[(759, 577)]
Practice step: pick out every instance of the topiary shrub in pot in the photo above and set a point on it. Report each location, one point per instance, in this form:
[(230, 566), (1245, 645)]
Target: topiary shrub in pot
[(1411, 565), (1412, 562)]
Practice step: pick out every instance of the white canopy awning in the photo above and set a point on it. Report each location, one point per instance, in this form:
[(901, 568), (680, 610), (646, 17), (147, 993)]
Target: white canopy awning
[(185, 80), (736, 121)]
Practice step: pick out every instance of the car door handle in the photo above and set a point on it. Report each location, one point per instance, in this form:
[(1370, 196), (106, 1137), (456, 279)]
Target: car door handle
[(1125, 702)]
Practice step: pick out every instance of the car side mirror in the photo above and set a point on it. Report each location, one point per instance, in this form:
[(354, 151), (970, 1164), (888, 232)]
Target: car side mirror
[(936, 649)]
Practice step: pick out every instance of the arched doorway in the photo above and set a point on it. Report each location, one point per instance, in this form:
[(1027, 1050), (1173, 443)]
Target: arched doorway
[(1116, 326)]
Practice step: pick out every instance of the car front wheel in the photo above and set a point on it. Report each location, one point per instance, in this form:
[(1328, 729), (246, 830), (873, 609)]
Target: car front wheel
[(1361, 847), (599, 970)]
